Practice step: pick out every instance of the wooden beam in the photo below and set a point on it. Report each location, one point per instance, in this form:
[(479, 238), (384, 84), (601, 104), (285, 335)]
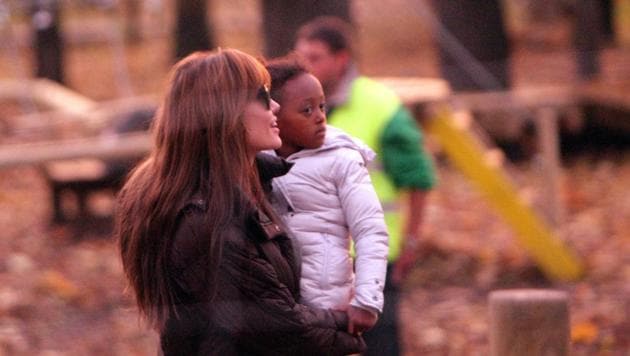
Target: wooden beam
[(46, 124), (519, 98), (59, 97), (48, 94), (65, 105), (617, 97), (111, 147), (415, 91), (418, 91), (14, 89)]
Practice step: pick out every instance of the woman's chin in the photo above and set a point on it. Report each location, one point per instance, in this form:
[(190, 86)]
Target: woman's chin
[(277, 144)]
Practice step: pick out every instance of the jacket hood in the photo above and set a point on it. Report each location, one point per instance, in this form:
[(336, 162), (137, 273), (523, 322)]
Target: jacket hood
[(337, 138)]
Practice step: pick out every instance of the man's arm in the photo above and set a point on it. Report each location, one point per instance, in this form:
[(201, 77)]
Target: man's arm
[(413, 244), (411, 169)]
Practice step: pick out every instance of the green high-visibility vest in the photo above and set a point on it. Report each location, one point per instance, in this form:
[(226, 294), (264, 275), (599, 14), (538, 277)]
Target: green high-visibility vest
[(369, 108)]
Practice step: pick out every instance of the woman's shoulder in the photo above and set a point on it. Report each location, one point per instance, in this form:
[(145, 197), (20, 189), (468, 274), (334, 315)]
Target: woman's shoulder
[(190, 227), (192, 235)]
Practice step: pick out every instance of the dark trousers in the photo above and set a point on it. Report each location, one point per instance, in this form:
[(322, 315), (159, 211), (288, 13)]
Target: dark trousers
[(383, 338)]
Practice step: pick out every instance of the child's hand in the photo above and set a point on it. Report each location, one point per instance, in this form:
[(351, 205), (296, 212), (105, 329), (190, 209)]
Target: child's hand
[(360, 320)]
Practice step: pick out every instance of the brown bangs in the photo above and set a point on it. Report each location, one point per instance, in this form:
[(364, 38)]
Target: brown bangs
[(252, 71)]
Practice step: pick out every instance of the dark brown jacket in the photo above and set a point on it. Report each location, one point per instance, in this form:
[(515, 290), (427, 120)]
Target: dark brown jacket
[(255, 309)]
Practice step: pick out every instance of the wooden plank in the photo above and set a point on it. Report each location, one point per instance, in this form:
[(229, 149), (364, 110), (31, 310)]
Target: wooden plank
[(418, 91), (14, 89), (76, 169), (48, 94), (99, 117), (66, 105), (59, 97), (415, 91), (617, 97), (518, 98), (113, 147)]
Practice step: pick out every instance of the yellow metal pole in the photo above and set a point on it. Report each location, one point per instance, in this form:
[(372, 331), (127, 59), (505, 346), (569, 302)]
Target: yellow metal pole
[(467, 154)]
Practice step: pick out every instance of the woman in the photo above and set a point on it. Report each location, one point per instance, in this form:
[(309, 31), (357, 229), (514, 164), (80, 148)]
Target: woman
[(210, 266), (326, 199)]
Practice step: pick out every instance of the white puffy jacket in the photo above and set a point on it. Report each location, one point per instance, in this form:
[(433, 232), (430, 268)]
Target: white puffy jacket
[(326, 198)]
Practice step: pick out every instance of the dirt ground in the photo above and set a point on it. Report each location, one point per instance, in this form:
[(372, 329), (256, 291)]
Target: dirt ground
[(62, 291)]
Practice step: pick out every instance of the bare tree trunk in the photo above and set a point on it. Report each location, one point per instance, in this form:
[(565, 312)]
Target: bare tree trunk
[(133, 33), (587, 38), (47, 39), (473, 44), (192, 30), (282, 18), (608, 25)]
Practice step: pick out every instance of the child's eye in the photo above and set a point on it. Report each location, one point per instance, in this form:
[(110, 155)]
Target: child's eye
[(307, 110), (322, 107)]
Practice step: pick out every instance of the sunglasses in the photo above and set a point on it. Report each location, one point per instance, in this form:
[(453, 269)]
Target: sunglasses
[(264, 96)]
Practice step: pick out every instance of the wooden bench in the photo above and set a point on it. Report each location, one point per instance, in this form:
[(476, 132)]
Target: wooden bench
[(74, 167), (80, 178)]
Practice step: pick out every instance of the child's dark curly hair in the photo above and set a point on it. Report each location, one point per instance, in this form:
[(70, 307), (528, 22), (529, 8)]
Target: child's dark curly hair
[(282, 70)]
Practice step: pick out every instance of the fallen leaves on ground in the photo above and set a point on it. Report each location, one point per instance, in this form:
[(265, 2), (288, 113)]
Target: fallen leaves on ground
[(63, 290)]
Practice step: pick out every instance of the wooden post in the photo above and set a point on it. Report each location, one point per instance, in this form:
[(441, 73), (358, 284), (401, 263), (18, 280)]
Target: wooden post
[(549, 147), (529, 322)]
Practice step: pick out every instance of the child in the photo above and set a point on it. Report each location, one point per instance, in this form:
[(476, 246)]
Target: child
[(326, 198)]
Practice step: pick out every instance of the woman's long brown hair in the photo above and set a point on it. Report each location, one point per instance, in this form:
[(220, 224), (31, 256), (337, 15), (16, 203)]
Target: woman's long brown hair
[(199, 146)]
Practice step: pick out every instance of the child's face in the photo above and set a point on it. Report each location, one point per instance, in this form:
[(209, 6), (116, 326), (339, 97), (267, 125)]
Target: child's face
[(302, 115)]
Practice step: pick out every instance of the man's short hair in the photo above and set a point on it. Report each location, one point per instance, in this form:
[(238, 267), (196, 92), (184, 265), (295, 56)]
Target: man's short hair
[(333, 31)]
